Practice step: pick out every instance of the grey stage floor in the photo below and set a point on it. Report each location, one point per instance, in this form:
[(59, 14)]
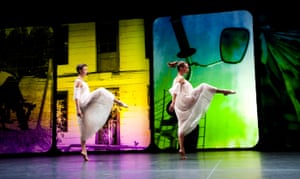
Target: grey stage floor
[(204, 164)]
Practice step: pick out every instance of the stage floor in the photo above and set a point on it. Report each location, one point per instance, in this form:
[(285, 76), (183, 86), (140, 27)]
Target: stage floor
[(203, 164)]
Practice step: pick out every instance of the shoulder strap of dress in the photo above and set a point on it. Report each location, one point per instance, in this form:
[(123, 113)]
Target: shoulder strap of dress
[(180, 80), (79, 80)]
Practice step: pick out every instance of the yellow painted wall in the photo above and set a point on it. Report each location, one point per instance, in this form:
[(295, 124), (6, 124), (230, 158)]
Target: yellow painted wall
[(135, 122), (132, 45), (82, 47)]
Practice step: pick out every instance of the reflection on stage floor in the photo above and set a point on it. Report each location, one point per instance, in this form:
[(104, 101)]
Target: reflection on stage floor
[(202, 164)]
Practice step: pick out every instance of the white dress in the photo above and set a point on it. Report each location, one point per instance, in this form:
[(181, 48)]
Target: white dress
[(191, 103), (96, 107)]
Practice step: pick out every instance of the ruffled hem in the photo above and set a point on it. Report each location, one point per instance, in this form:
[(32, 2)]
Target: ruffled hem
[(196, 112)]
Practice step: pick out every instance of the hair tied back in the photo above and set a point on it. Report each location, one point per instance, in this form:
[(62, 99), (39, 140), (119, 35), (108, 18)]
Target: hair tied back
[(172, 64)]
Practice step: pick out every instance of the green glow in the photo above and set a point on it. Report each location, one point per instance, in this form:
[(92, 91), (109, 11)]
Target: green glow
[(231, 121)]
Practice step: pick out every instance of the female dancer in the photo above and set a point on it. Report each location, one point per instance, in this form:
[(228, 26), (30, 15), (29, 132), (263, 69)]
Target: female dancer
[(189, 103), (93, 108)]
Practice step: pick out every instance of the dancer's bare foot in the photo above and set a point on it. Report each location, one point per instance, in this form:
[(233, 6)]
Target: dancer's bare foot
[(120, 103), (227, 92), (84, 155), (182, 154)]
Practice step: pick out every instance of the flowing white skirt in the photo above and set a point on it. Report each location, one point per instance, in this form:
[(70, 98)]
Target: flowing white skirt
[(96, 110), (190, 108)]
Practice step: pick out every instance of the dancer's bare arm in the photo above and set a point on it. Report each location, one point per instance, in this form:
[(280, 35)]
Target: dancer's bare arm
[(171, 108), (78, 84), (181, 80)]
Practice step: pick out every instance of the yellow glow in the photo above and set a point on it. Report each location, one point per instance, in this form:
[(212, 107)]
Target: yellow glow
[(132, 81)]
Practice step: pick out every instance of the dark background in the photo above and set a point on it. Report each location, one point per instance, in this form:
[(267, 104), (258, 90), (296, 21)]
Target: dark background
[(45, 12)]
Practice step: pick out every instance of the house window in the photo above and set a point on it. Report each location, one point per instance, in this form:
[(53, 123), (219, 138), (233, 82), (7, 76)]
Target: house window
[(109, 134), (107, 43), (62, 111), (62, 44)]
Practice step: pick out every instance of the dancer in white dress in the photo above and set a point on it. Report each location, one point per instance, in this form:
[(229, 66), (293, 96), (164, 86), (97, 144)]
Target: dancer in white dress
[(189, 103), (93, 108)]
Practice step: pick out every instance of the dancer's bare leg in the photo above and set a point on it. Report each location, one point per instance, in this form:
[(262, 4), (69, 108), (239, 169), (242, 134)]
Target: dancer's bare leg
[(84, 151), (181, 146), (98, 92), (225, 91), (211, 88), (120, 103)]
